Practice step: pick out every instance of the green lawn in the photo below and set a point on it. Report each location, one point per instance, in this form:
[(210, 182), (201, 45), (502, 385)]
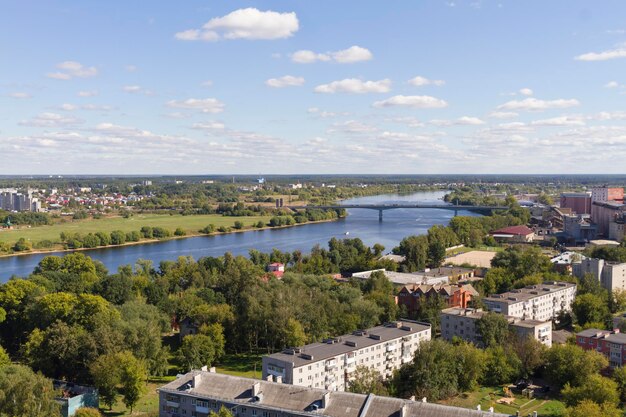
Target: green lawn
[(241, 364), (148, 405), (487, 397), (189, 223)]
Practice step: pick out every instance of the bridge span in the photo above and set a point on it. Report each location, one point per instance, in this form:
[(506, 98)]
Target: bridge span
[(383, 207)]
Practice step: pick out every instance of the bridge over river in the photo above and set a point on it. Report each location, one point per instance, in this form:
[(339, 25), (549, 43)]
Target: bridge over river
[(383, 207)]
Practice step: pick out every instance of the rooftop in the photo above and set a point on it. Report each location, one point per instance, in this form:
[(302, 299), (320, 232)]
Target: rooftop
[(314, 352), (427, 276), (530, 292), (612, 336), (521, 230), (303, 401)]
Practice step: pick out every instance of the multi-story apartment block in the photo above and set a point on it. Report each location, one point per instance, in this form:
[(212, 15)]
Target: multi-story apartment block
[(330, 364), (461, 323), (11, 200), (541, 302), (607, 194), (198, 393), (611, 344), (612, 275)]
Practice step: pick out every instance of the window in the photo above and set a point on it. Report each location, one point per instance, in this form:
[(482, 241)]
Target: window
[(254, 412)]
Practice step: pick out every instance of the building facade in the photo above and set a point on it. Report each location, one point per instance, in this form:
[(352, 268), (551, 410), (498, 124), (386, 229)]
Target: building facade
[(611, 344), (579, 203), (605, 212), (612, 275), (541, 302), (198, 393), (458, 295), (11, 200), (330, 364), (607, 194), (462, 323), (514, 234)]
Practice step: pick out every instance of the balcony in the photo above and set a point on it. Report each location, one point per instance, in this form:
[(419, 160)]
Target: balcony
[(203, 410), (173, 404), (391, 348)]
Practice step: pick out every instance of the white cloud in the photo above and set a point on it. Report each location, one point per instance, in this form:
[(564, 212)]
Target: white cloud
[(355, 86), (130, 68), (205, 105), (68, 107), (96, 107), (422, 81), (325, 114), (285, 81), (461, 121), (307, 57), (346, 56), (410, 121), (534, 104), (526, 92), (72, 69), (209, 126), (249, 23), (20, 95), (560, 121), (420, 102), (87, 93), (618, 52), (207, 83), (50, 120), (136, 89), (611, 84), (352, 127), (352, 54), (502, 114)]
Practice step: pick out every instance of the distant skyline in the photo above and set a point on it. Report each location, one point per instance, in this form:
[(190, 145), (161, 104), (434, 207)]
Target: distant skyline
[(312, 87)]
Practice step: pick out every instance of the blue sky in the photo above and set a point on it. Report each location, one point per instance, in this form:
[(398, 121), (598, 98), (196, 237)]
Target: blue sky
[(302, 86)]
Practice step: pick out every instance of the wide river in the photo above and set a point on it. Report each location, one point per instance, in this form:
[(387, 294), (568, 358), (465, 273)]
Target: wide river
[(361, 223)]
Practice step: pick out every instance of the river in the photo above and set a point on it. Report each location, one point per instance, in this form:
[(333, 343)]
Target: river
[(361, 223)]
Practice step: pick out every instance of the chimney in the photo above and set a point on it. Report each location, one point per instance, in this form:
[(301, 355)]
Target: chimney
[(325, 399), (404, 412), (412, 398), (478, 407), (212, 369), (256, 388), (424, 400), (196, 380), (534, 414), (490, 409), (268, 378), (204, 368), (279, 379)]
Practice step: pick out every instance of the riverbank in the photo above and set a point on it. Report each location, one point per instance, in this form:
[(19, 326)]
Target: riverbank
[(191, 234)]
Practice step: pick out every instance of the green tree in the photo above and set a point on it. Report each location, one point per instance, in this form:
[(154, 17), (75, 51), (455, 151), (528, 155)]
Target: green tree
[(415, 251), (366, 380), (223, 412), (588, 408), (596, 388), (472, 363), (501, 366), (590, 308), (619, 375), (179, 232), (4, 357), (132, 379), (22, 245), (572, 364), (106, 376), (26, 394), (87, 412), (238, 225), (530, 352), (199, 350), (493, 329), (118, 237), (295, 335)]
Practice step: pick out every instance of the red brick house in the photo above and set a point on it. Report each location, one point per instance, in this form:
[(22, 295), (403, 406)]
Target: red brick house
[(455, 295)]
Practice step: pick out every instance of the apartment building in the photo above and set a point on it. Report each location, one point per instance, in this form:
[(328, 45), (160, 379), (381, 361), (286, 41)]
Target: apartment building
[(455, 295), (612, 275), (329, 364), (11, 200), (541, 302), (611, 344), (462, 322), (607, 194), (198, 393)]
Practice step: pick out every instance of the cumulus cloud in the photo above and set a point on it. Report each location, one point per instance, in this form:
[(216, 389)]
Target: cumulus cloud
[(355, 86), (559, 121), (420, 102), (72, 69), (249, 23), (325, 114), (526, 92), (209, 126), (534, 104), (50, 120), (346, 56), (461, 121), (502, 114), (352, 127), (422, 81), (20, 95), (285, 81), (205, 105), (618, 52), (87, 93)]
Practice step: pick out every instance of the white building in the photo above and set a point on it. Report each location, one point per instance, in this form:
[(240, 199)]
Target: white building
[(541, 302), (612, 275), (329, 364)]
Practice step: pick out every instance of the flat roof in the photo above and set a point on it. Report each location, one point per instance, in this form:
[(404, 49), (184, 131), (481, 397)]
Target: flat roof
[(619, 338), (338, 346), (298, 400), (403, 278), (529, 292)]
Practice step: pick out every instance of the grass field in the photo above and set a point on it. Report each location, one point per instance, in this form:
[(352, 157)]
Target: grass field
[(148, 405), (243, 364), (487, 397), (191, 224)]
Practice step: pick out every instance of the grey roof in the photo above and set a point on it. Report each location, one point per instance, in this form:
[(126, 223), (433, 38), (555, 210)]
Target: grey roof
[(613, 337), (529, 292), (338, 346), (296, 399)]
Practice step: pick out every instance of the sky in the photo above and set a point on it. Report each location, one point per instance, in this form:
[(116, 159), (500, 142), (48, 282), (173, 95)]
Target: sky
[(312, 87)]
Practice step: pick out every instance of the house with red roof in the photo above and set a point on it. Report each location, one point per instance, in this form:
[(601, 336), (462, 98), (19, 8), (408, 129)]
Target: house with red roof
[(277, 269), (514, 234)]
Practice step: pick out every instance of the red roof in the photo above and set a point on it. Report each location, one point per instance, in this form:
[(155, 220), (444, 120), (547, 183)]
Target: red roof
[(514, 230)]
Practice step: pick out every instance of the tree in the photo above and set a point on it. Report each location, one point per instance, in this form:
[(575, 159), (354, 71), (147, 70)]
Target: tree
[(295, 335), (587, 408), (366, 380), (179, 232), (22, 245), (571, 363), (501, 367), (4, 357), (223, 412), (132, 379), (118, 237), (87, 412), (530, 353), (590, 308), (106, 377), (26, 394), (238, 225), (493, 329), (436, 254), (596, 388), (472, 362), (415, 251), (619, 375), (199, 350)]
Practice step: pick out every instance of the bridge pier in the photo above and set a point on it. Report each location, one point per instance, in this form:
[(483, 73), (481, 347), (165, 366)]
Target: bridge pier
[(456, 213), (380, 215)]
